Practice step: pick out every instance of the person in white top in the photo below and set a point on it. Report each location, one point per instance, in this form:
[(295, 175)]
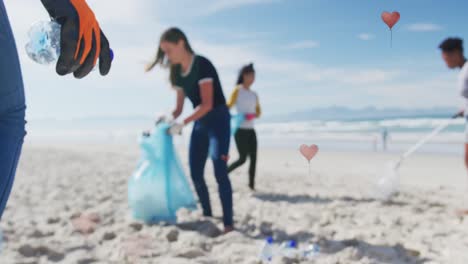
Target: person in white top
[(246, 103), (452, 53)]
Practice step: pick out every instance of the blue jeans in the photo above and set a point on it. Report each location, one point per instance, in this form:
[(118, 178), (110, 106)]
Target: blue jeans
[(211, 135), (12, 109)]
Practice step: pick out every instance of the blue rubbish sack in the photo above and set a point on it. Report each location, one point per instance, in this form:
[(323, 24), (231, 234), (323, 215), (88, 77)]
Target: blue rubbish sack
[(236, 122), (158, 187)]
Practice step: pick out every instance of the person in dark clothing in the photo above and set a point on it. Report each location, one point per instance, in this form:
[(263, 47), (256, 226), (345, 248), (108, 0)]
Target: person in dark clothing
[(194, 76)]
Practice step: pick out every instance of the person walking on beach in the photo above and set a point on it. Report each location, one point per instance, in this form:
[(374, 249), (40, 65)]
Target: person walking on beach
[(247, 103), (82, 44), (453, 55), (194, 76), (385, 136)]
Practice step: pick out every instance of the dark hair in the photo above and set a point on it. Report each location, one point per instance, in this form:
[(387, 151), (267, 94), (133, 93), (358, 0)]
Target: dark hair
[(245, 70), (172, 35), (451, 44)]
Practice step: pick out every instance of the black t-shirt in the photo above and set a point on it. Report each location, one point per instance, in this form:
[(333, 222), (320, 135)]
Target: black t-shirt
[(201, 70)]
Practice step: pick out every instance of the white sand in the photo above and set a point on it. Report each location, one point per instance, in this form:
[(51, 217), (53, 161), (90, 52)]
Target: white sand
[(338, 212)]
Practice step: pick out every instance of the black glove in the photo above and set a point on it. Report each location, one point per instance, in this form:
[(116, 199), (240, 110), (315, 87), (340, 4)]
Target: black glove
[(82, 41)]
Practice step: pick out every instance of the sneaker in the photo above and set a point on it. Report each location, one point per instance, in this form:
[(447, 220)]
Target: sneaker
[(228, 229)]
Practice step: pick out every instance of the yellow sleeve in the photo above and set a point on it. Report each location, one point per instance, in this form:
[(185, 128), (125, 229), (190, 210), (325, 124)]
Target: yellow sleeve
[(233, 99), (258, 109)]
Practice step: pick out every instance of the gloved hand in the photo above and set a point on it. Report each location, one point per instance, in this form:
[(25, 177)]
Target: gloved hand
[(82, 41), (164, 119), (175, 129)]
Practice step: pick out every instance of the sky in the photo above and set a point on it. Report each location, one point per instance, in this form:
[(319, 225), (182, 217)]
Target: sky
[(307, 53)]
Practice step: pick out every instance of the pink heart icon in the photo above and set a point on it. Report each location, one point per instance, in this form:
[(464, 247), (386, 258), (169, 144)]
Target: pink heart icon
[(390, 18), (309, 152)]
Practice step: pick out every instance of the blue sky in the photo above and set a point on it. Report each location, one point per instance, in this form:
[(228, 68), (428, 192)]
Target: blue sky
[(308, 53)]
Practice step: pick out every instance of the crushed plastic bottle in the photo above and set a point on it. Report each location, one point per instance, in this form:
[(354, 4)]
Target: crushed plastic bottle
[(267, 250), (44, 42), (311, 252), (289, 250)]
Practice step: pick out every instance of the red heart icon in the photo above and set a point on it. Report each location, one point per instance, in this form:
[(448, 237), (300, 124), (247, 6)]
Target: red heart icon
[(390, 18), (309, 152)]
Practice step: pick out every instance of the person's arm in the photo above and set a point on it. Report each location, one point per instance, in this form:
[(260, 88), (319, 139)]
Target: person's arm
[(233, 99), (464, 93), (179, 103), (464, 87), (82, 42), (206, 94), (258, 108)]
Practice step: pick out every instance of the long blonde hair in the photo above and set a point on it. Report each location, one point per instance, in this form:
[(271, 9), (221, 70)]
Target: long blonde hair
[(172, 35)]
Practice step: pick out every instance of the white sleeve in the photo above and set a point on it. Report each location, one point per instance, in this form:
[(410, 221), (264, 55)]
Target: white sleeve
[(463, 84), (205, 80)]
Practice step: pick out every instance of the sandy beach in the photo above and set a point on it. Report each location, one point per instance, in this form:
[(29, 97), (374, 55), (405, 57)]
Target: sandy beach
[(69, 205)]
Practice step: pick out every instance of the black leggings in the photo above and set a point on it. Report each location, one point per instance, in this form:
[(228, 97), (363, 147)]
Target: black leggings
[(246, 141)]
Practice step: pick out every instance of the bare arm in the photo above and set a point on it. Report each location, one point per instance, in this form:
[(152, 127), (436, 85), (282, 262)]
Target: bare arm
[(179, 104)]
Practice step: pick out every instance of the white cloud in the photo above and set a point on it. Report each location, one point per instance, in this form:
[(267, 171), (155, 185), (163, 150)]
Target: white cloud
[(191, 8), (307, 44), (365, 36), (229, 58), (424, 27), (220, 5), (436, 91), (369, 76), (351, 76)]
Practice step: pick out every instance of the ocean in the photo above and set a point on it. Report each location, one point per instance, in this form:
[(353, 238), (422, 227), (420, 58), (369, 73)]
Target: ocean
[(329, 135)]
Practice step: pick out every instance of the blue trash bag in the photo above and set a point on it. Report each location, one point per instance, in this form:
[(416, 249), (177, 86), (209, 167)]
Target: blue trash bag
[(236, 122), (158, 187)]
